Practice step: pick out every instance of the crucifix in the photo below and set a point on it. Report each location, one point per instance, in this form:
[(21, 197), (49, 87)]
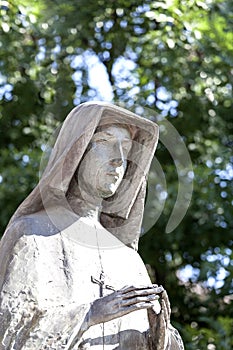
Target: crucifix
[(101, 284)]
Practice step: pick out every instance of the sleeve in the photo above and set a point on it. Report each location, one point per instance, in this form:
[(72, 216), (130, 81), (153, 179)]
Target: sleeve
[(162, 335), (175, 341), (24, 326), (24, 323)]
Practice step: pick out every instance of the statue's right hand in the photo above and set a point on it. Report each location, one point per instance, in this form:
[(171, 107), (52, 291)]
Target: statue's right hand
[(122, 302), (116, 304)]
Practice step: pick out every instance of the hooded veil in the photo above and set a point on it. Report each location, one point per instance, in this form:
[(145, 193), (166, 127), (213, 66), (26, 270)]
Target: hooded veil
[(122, 213)]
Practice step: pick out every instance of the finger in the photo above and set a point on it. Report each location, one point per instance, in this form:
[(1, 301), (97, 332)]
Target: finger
[(159, 289), (136, 300), (141, 292), (167, 303), (129, 292), (138, 306), (165, 313), (127, 289)]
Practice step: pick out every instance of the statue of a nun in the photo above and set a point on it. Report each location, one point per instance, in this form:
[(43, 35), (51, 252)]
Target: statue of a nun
[(70, 274)]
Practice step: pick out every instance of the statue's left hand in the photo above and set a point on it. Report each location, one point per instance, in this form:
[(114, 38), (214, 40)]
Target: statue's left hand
[(159, 324)]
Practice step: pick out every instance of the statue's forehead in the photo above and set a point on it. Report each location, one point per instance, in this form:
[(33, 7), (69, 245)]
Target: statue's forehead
[(114, 129), (117, 129)]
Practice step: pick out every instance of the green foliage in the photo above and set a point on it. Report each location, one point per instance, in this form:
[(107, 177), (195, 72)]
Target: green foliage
[(184, 47)]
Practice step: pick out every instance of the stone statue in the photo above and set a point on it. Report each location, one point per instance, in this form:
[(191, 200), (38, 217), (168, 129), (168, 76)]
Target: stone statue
[(70, 274)]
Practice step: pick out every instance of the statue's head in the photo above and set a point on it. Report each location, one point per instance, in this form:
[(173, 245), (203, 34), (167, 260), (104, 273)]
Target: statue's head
[(104, 152), (105, 161)]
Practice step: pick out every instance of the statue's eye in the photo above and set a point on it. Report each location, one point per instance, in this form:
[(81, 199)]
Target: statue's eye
[(101, 139)]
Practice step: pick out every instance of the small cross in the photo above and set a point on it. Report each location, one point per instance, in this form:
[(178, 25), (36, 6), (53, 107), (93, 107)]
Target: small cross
[(101, 284)]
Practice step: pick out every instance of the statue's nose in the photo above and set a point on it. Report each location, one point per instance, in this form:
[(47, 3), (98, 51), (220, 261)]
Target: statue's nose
[(117, 161), (118, 158)]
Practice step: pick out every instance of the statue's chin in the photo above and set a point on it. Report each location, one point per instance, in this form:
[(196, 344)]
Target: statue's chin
[(108, 191), (106, 194)]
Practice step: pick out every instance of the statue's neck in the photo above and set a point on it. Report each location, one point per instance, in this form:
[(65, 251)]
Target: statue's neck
[(88, 208), (88, 211), (84, 209)]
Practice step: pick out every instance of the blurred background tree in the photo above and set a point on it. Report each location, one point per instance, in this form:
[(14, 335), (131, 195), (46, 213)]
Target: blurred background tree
[(174, 57)]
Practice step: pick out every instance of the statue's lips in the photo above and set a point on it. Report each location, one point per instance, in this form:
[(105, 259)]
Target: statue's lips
[(113, 174)]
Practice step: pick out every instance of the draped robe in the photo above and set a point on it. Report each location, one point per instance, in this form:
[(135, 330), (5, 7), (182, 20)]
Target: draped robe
[(49, 257), (55, 290)]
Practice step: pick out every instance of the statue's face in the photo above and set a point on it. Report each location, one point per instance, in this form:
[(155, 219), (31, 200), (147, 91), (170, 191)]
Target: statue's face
[(102, 168)]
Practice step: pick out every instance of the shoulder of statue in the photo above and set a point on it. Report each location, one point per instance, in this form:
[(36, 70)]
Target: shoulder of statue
[(33, 224)]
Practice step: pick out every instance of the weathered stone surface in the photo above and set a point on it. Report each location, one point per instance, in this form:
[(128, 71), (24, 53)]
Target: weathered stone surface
[(71, 277)]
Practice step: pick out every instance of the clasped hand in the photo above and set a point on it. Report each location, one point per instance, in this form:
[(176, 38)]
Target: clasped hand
[(122, 302)]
